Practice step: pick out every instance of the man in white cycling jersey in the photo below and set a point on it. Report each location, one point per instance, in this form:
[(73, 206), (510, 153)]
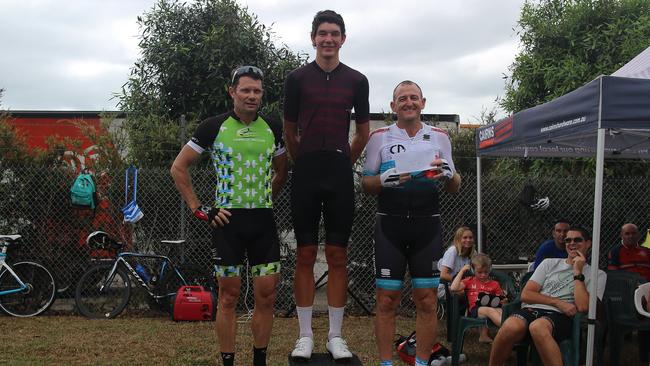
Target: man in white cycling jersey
[(406, 164)]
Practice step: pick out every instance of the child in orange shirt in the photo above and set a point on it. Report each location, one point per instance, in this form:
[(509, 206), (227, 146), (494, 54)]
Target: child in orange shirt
[(474, 285)]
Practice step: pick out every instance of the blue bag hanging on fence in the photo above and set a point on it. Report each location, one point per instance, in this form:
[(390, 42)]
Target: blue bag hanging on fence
[(131, 211), (82, 192)]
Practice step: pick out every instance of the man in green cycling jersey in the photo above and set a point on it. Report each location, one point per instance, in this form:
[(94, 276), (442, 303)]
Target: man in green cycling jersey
[(245, 150)]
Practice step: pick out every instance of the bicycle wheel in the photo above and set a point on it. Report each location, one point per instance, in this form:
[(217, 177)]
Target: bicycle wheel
[(96, 302), (440, 311), (196, 275), (36, 298)]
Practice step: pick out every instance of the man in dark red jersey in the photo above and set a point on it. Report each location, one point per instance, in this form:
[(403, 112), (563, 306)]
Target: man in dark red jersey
[(629, 255), (319, 99)]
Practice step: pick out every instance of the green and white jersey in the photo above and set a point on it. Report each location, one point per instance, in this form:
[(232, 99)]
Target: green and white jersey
[(241, 155)]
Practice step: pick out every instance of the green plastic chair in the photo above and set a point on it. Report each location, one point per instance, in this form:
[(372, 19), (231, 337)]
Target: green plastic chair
[(464, 323), (620, 310), (452, 305)]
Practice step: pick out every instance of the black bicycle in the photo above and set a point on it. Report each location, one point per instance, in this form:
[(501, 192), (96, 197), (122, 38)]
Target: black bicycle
[(104, 290)]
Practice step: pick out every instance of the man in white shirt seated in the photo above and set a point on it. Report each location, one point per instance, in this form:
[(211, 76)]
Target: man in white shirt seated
[(554, 294)]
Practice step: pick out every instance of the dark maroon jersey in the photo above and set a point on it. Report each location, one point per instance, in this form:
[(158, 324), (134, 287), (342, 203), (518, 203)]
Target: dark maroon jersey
[(322, 102)]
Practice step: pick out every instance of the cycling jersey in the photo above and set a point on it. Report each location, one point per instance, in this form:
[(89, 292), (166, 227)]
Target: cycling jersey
[(419, 196), (321, 103), (632, 259), (241, 155)]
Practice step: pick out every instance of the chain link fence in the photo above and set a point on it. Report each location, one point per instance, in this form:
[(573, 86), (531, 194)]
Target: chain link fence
[(36, 204)]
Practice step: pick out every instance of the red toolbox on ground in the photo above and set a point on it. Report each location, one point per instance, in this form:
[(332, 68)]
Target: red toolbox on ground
[(193, 303)]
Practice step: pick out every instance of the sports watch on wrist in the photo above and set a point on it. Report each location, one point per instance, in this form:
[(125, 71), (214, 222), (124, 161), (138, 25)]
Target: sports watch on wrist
[(579, 277)]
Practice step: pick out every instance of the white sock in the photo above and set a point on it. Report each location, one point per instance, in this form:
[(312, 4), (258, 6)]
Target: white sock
[(336, 321), (304, 320)]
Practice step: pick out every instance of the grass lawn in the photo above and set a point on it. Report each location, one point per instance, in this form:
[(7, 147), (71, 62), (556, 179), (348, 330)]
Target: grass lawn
[(74, 340)]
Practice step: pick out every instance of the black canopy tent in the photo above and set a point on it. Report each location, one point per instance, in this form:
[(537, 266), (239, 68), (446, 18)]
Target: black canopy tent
[(608, 117)]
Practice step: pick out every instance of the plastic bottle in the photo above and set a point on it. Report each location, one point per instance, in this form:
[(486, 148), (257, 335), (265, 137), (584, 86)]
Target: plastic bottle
[(142, 272)]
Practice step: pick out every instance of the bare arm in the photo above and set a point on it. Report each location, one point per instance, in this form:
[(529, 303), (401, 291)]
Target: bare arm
[(457, 285), (359, 140), (183, 181), (291, 138), (445, 274), (371, 184), (453, 185), (181, 175), (279, 174), (580, 294), (531, 295)]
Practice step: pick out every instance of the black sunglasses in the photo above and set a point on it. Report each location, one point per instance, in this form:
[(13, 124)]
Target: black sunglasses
[(575, 240), (246, 70)]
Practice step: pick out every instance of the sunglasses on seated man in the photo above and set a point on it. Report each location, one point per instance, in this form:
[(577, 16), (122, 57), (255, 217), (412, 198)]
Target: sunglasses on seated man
[(246, 70), (577, 240)]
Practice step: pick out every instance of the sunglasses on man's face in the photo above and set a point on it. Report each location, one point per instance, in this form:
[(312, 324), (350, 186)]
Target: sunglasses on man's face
[(246, 70), (577, 240)]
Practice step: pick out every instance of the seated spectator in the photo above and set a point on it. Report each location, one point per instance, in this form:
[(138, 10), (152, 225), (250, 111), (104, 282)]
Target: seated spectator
[(629, 255), (456, 256), (477, 284), (553, 248), (557, 290), (632, 257)]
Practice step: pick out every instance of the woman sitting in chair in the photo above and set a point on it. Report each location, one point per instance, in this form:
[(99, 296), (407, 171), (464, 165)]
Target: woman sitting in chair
[(484, 295), (456, 256)]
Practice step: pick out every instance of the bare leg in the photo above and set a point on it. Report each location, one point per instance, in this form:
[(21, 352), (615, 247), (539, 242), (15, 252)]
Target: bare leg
[(513, 330), (303, 285), (387, 302), (337, 281), (426, 322), (226, 325), (541, 330), (494, 314), (264, 290)]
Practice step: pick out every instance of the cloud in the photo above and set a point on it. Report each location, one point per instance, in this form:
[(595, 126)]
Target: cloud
[(77, 53)]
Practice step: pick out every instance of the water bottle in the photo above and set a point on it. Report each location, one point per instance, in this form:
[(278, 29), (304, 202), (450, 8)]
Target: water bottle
[(142, 272)]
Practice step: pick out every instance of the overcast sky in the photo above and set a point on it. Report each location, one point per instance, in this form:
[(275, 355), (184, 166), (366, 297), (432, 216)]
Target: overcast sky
[(76, 54)]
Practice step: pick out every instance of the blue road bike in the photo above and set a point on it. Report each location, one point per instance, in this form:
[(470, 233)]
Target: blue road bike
[(26, 288)]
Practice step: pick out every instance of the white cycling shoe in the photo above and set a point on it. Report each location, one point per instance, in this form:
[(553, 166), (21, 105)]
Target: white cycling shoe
[(303, 349), (338, 349)]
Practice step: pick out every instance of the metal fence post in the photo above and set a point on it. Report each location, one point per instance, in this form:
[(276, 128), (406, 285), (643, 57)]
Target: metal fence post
[(181, 209)]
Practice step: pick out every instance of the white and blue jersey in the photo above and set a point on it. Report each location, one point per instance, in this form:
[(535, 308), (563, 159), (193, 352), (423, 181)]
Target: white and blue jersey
[(419, 196), (407, 231)]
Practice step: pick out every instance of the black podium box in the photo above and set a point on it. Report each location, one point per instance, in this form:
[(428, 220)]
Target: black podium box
[(324, 359)]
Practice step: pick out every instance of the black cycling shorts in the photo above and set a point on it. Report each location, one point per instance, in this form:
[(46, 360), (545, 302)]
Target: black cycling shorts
[(412, 241), (252, 233), (322, 181), (561, 322)]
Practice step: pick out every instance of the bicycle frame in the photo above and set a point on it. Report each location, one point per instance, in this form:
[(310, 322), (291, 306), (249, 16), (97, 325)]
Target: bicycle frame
[(166, 262), (3, 264)]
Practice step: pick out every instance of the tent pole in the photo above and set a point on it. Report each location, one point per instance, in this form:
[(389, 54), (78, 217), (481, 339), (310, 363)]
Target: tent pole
[(479, 226), (595, 248)]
